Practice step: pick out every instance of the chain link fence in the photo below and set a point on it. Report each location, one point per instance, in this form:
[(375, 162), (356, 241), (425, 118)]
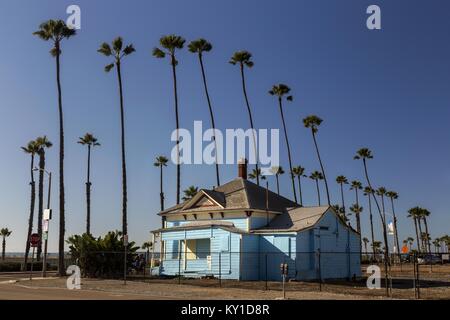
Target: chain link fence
[(405, 276)]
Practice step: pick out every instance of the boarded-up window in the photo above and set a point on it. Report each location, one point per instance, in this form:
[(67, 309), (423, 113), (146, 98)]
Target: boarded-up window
[(197, 249), (203, 248)]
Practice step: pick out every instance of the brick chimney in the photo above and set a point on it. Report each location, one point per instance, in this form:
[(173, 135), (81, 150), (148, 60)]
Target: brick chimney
[(242, 168)]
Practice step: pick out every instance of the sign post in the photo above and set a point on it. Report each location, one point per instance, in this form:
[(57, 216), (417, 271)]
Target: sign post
[(34, 241), (284, 268), (45, 224), (47, 216)]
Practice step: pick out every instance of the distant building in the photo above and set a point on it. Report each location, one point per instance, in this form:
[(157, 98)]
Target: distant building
[(244, 232)]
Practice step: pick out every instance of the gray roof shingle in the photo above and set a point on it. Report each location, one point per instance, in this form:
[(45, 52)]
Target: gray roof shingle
[(240, 194)]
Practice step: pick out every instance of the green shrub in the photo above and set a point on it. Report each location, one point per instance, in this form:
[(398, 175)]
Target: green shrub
[(101, 257), (17, 266), (10, 266)]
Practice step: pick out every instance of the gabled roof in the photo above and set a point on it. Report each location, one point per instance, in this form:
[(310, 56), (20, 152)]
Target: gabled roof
[(296, 219), (217, 198), (236, 194)]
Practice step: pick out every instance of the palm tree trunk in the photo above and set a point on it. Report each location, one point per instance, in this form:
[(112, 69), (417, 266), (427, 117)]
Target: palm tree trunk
[(124, 167), (300, 191), (174, 74), (321, 166), (342, 197), (386, 251), (371, 224), (40, 200), (426, 231), (3, 248), (278, 184), (62, 216), (251, 121), (213, 125), (161, 193), (422, 240), (88, 193), (358, 217), (395, 232), (318, 191), (288, 149), (417, 234), (31, 216)]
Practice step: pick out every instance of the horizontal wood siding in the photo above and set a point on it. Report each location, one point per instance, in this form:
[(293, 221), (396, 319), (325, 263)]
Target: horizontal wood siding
[(224, 246), (250, 257), (274, 250)]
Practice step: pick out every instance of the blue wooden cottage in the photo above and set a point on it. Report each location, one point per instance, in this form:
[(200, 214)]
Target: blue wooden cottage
[(242, 231)]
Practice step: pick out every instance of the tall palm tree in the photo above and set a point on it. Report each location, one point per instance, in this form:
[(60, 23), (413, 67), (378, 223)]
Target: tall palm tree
[(147, 246), (281, 90), (437, 245), (421, 233), (190, 192), (243, 59), (90, 141), (368, 191), (366, 241), (356, 185), (256, 174), (414, 213), (409, 241), (357, 210), (200, 46), (446, 240), (299, 172), (316, 176), (277, 171), (365, 154), (381, 192), (313, 122), (41, 143), (118, 52), (56, 31), (169, 45), (425, 214), (376, 246), (5, 233), (161, 162), (393, 196), (30, 149), (341, 180)]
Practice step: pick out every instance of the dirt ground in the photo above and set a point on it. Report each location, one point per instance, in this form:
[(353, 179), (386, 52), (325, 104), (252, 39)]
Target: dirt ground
[(434, 284), (42, 289)]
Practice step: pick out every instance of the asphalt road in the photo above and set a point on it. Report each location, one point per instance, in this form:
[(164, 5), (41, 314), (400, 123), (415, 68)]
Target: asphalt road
[(9, 291), (6, 276)]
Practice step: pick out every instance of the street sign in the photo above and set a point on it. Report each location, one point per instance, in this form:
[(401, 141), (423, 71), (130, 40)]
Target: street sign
[(405, 249), (45, 225), (47, 214), (45, 236), (125, 240), (34, 240)]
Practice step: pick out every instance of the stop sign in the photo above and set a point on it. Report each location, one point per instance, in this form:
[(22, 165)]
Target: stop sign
[(34, 239)]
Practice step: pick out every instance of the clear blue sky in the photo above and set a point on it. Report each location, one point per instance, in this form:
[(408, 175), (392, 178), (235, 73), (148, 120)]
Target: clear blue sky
[(387, 90)]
